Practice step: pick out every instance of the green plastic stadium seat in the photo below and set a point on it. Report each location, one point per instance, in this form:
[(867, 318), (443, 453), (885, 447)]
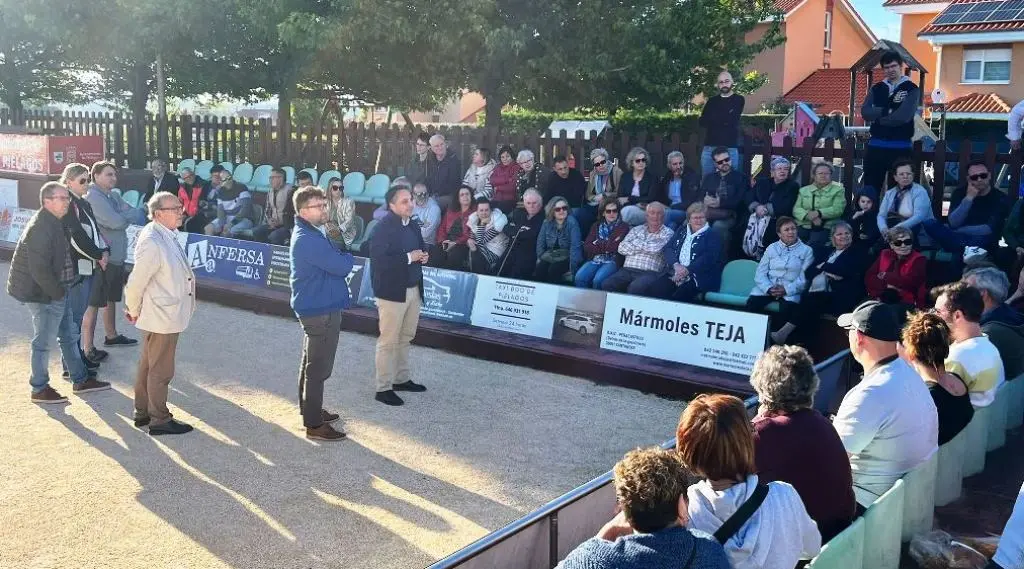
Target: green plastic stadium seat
[(261, 178), (365, 236), (289, 174), (919, 498), (997, 419), (376, 189), (1015, 406), (844, 551), (325, 178), (883, 524), (131, 197), (312, 172), (355, 184), (229, 166), (977, 441), (950, 476), (203, 169), (187, 163), (737, 281), (243, 173)]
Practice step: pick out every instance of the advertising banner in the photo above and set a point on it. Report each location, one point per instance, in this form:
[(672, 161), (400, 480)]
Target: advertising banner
[(13, 221), (244, 262), (447, 295), (715, 338), (515, 306), (132, 231), (25, 153), (63, 150), (579, 316), (280, 269), (8, 193)]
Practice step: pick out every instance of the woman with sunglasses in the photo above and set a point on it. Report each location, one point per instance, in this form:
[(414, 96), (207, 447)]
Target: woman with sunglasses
[(907, 204), (899, 273), (637, 190), (559, 246), (604, 179), (341, 215), (602, 245)]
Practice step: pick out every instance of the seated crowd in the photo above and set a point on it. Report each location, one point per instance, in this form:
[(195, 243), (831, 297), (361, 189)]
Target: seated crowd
[(737, 492)]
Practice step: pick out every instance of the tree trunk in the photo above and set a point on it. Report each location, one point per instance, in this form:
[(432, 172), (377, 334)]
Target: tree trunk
[(17, 108), (492, 109), (137, 149)]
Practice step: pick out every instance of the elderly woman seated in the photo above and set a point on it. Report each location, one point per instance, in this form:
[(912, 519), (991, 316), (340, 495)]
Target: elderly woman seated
[(780, 277), (559, 246), (899, 274), (692, 259), (789, 435), (835, 276), (715, 442), (650, 530), (925, 346)]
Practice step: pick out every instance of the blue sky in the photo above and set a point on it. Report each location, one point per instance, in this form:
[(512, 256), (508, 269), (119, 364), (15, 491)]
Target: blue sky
[(885, 24)]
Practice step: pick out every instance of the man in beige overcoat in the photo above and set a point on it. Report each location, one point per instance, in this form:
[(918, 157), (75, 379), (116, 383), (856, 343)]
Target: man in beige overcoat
[(159, 299)]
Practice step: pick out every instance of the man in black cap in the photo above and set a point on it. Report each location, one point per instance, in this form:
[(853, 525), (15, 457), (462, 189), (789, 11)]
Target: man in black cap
[(887, 422)]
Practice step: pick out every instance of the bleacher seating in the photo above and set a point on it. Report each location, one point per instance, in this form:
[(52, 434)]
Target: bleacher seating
[(187, 163), (365, 235), (844, 551), (312, 172), (261, 178), (737, 282), (919, 498), (883, 523), (289, 174), (949, 478), (131, 197), (977, 441), (243, 173), (355, 184), (325, 178), (376, 188), (203, 169), (229, 166)]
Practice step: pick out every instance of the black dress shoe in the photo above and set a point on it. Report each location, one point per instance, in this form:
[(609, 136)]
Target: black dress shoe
[(329, 417), (90, 374), (389, 398), (409, 386), (89, 364), (171, 427), (119, 341), (140, 420), (97, 356)]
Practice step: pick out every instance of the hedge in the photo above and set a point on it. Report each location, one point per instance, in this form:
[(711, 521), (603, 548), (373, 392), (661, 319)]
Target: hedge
[(665, 123)]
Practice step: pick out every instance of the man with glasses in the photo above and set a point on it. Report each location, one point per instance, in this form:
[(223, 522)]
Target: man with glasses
[(977, 212), (162, 180), (722, 192), (279, 217), (426, 212), (444, 172), (42, 272), (319, 294), (159, 299), (720, 119), (416, 171), (523, 229), (890, 107)]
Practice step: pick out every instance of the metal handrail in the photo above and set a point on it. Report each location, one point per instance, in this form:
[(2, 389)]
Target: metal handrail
[(552, 508)]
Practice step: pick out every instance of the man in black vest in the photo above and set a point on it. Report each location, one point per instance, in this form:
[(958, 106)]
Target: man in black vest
[(397, 256), (890, 107)]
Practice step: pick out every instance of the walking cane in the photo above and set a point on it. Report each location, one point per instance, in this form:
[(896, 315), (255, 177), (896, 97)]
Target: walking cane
[(510, 247)]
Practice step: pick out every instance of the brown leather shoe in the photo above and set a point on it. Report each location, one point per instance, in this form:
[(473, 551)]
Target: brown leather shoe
[(90, 385), (329, 417), (48, 395), (324, 432)]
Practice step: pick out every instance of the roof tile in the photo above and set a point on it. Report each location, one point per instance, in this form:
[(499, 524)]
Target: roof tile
[(978, 103), (828, 90), (906, 2)]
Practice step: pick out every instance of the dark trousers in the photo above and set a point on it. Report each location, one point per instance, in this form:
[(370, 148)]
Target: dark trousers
[(455, 258), (319, 346), (666, 289), (788, 311), (520, 262), (877, 161), (551, 272), (631, 281)]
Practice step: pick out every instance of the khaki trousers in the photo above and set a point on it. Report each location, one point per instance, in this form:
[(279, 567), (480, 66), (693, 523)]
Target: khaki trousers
[(156, 368), (398, 322)]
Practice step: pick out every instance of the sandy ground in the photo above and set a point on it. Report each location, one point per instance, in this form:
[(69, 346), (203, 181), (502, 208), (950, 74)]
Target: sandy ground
[(81, 487)]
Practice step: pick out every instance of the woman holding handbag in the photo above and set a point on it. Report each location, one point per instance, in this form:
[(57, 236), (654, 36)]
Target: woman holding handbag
[(452, 232), (559, 245)]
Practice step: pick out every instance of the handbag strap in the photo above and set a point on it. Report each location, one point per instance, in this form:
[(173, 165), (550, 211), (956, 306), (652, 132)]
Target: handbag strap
[(742, 515)]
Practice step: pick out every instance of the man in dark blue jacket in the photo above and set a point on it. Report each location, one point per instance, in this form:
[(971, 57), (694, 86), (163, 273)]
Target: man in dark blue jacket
[(397, 256), (319, 294), (890, 107)]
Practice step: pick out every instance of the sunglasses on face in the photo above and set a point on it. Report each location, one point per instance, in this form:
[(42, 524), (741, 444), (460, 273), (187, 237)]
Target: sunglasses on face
[(640, 160), (561, 208), (976, 177), (611, 210), (902, 242), (599, 164), (723, 161), (336, 188)]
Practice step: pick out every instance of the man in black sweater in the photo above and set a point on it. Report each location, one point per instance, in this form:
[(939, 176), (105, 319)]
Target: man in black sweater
[(890, 107), (722, 191), (720, 119), (397, 256), (977, 212), (443, 171)]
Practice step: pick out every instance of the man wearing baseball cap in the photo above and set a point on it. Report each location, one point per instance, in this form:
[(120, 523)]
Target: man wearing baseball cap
[(887, 422)]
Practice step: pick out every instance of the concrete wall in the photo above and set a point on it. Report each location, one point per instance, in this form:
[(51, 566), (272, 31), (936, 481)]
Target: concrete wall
[(848, 41), (805, 45), (771, 62), (910, 25), (952, 72)]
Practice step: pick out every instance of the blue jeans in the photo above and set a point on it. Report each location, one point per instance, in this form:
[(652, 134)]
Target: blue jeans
[(49, 320), (585, 216), (949, 240), (707, 164), (78, 299), (592, 274), (241, 228)]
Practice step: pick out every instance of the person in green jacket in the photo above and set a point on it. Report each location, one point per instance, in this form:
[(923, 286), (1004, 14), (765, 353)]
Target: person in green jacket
[(819, 206)]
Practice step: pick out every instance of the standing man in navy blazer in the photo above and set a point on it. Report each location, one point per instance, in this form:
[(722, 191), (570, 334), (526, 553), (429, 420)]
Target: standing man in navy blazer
[(319, 294), (397, 256)]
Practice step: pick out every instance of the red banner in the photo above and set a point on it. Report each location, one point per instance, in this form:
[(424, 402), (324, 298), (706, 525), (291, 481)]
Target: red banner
[(38, 154)]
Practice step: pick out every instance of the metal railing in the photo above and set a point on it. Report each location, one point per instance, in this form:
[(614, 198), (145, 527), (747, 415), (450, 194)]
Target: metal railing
[(484, 552)]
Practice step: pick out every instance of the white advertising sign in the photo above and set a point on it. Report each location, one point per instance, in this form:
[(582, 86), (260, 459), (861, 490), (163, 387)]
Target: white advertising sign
[(515, 306), (714, 338), (8, 193), (12, 222), (133, 236)]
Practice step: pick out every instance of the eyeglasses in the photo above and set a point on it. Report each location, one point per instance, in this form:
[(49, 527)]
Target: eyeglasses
[(83, 180), (336, 188), (419, 196), (976, 177), (317, 206), (599, 164), (723, 161), (60, 198), (561, 208), (177, 208), (525, 162), (640, 160), (611, 210), (902, 242)]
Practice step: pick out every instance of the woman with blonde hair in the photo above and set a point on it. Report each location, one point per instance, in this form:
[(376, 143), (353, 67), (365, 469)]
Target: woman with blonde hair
[(559, 246)]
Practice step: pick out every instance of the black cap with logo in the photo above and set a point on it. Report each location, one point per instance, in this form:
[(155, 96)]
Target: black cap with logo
[(873, 319)]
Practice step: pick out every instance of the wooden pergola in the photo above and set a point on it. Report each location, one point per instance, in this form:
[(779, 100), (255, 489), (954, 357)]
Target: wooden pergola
[(873, 59)]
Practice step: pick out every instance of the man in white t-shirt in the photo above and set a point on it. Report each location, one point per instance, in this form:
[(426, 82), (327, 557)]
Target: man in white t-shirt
[(887, 422), (972, 356)]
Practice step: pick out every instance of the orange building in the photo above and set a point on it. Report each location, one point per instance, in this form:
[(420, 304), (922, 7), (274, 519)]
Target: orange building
[(821, 35), (974, 48)]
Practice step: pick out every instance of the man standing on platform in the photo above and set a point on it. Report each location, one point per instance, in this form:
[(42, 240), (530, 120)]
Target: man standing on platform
[(397, 256), (720, 119), (319, 294), (159, 299), (890, 107)]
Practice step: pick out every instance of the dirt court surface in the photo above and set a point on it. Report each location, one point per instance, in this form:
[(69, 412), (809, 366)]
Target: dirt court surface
[(83, 488)]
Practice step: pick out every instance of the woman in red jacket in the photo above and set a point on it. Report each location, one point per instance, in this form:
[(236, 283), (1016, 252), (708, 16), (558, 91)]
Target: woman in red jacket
[(899, 273), (452, 231), (503, 180), (602, 246)]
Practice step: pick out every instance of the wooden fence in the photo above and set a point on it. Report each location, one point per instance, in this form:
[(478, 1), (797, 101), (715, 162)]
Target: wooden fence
[(372, 148)]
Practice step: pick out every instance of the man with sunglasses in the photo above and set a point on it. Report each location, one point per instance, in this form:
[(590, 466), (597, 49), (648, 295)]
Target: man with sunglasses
[(977, 212), (722, 192)]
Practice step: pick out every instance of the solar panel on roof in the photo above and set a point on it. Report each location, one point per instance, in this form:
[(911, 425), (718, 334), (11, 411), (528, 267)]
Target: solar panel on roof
[(980, 11), (1009, 11), (952, 14)]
